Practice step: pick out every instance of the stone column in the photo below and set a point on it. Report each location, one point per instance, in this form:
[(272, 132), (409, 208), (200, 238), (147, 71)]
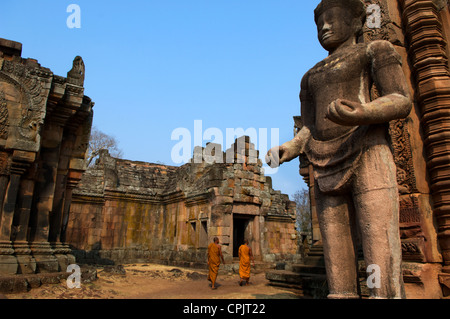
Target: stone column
[(428, 52), (4, 177), (59, 202), (8, 262), (56, 220), (62, 248), (27, 263), (221, 224), (256, 245), (20, 162), (43, 201), (78, 137)]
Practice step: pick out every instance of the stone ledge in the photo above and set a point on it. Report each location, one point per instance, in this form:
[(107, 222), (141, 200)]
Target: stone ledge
[(23, 283), (11, 48), (312, 285)]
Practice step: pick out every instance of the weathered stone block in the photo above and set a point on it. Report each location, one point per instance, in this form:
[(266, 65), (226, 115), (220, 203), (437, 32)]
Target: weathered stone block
[(8, 265), (13, 284)]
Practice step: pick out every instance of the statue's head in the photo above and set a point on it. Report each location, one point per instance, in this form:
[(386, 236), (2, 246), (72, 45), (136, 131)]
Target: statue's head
[(339, 21)]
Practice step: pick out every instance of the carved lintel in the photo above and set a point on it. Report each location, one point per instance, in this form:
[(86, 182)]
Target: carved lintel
[(31, 85)]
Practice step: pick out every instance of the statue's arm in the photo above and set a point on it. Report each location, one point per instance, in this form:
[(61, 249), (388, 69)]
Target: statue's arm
[(292, 149), (298, 143), (394, 101), (395, 98)]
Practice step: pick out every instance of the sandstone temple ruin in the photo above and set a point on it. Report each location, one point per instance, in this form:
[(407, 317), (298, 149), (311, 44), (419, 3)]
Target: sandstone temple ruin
[(125, 211), (122, 211), (45, 125), (53, 213)]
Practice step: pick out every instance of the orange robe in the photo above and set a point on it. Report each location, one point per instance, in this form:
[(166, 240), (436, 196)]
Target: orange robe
[(244, 262), (214, 262)]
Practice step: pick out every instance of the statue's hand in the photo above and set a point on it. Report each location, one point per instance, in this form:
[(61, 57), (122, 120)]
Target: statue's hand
[(346, 112), (289, 150), (282, 154), (273, 157)]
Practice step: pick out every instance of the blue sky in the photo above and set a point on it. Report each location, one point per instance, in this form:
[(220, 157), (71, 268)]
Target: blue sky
[(155, 66)]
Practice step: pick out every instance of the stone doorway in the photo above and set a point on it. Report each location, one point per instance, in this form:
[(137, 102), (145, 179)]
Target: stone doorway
[(240, 232)]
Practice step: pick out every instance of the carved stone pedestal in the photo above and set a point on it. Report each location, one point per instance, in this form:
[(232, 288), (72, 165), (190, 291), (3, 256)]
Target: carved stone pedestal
[(26, 262), (8, 262), (63, 254), (46, 262)]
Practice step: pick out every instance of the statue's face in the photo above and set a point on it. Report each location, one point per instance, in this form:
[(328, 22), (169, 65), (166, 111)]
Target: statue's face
[(335, 28)]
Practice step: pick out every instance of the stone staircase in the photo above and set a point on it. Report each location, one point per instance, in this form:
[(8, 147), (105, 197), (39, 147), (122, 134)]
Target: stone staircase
[(309, 276)]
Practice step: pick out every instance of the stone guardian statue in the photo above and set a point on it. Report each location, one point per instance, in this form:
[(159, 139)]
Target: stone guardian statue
[(345, 138)]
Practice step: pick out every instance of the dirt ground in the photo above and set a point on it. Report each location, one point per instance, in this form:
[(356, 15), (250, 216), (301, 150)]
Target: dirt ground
[(149, 281)]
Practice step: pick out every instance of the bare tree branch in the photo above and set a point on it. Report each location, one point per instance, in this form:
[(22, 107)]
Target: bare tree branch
[(101, 141), (304, 218)]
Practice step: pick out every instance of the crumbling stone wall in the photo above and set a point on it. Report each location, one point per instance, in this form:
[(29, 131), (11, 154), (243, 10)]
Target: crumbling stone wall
[(126, 211)]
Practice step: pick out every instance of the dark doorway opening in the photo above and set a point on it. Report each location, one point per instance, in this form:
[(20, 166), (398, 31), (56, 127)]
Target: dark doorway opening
[(239, 231)]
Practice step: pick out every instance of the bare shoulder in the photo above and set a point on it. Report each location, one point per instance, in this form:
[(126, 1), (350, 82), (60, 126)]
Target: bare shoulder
[(381, 47), (382, 53), (304, 82)]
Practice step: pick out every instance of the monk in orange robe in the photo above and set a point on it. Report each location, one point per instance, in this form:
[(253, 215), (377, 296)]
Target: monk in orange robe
[(214, 257), (245, 255)]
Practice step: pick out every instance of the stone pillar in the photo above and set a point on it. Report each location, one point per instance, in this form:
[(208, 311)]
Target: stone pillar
[(78, 140), (8, 262), (20, 162), (428, 54), (62, 248), (27, 263), (44, 196), (221, 223), (256, 245), (59, 202)]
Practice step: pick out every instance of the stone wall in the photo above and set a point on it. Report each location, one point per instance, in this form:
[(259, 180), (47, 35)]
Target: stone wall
[(125, 211)]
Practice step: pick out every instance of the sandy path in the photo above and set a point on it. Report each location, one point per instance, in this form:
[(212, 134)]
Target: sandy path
[(149, 281)]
